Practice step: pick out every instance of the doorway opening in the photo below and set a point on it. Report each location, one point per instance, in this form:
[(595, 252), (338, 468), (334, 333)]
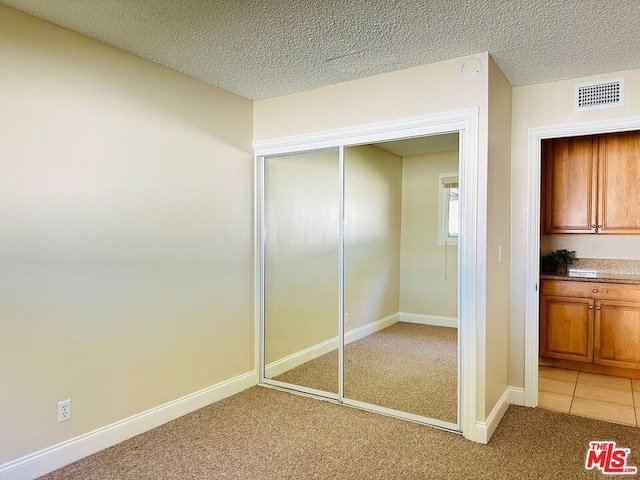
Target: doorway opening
[(532, 280)]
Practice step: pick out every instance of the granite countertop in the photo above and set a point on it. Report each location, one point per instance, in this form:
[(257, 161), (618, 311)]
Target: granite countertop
[(603, 270), (628, 281)]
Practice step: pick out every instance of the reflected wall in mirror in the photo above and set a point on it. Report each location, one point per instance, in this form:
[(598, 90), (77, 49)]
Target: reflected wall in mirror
[(301, 214), (401, 342)]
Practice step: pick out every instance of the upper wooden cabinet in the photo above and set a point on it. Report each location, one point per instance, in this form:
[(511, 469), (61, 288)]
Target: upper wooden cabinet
[(569, 185), (591, 184), (619, 183)]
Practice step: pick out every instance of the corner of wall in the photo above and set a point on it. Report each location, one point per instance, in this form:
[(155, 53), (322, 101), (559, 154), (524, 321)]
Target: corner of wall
[(484, 430)]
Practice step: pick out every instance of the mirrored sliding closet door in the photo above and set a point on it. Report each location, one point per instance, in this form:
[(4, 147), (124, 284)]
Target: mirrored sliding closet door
[(359, 275), (301, 194), (400, 278)]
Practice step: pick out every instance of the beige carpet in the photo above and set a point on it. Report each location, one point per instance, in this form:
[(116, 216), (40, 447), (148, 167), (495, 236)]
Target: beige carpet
[(407, 367), (263, 433)]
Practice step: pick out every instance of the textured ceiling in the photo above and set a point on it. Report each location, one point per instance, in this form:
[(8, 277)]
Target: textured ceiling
[(265, 48)]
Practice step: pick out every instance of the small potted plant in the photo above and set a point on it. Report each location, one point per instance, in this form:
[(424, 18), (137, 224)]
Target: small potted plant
[(557, 261)]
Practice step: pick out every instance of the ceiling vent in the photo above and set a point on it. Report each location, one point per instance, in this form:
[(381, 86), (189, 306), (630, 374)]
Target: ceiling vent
[(594, 95)]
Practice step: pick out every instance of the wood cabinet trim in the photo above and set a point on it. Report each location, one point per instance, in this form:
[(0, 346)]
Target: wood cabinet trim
[(595, 290)]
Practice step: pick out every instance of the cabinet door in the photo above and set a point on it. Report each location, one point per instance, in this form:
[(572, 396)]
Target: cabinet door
[(570, 183), (566, 328), (619, 182), (617, 334)]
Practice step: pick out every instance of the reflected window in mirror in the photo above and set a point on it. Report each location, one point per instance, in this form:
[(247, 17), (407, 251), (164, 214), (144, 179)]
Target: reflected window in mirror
[(448, 209)]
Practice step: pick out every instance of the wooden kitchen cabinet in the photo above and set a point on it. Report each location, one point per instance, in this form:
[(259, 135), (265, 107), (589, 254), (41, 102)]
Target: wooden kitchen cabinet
[(566, 328), (592, 323), (617, 330), (590, 184), (619, 183), (569, 185)]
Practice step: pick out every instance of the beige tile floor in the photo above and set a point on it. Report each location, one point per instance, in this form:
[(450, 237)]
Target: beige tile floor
[(591, 395)]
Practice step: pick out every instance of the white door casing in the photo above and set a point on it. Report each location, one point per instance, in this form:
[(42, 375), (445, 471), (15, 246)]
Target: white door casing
[(472, 274)]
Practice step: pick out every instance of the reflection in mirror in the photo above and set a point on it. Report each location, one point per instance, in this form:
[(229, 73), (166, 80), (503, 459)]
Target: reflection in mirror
[(401, 277), (302, 195)]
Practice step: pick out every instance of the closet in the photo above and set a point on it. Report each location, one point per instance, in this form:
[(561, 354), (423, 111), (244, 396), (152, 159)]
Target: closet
[(358, 300)]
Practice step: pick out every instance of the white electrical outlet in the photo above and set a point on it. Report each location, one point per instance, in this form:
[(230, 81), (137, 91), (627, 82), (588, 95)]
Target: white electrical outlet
[(64, 410)]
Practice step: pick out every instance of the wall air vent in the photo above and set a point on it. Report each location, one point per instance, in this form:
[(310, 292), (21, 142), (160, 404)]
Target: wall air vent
[(594, 95)]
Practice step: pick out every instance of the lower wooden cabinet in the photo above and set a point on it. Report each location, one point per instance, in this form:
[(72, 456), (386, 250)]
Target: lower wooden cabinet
[(617, 330), (590, 322), (566, 328)]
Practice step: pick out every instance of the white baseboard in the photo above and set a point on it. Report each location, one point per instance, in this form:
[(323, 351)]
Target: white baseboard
[(485, 429), (285, 364), (369, 328), (435, 320), (278, 367), (57, 456), (516, 396)]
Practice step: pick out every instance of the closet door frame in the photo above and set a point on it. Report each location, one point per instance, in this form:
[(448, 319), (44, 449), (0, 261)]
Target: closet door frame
[(471, 275)]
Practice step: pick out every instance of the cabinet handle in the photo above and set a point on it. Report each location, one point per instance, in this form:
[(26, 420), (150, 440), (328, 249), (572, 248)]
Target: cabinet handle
[(597, 308), (593, 225), (600, 226), (595, 290), (590, 307)]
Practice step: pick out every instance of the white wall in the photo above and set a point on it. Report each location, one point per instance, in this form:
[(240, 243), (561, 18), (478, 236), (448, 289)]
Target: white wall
[(545, 105), (126, 249), (433, 88), (425, 287), (498, 236), (593, 245)]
